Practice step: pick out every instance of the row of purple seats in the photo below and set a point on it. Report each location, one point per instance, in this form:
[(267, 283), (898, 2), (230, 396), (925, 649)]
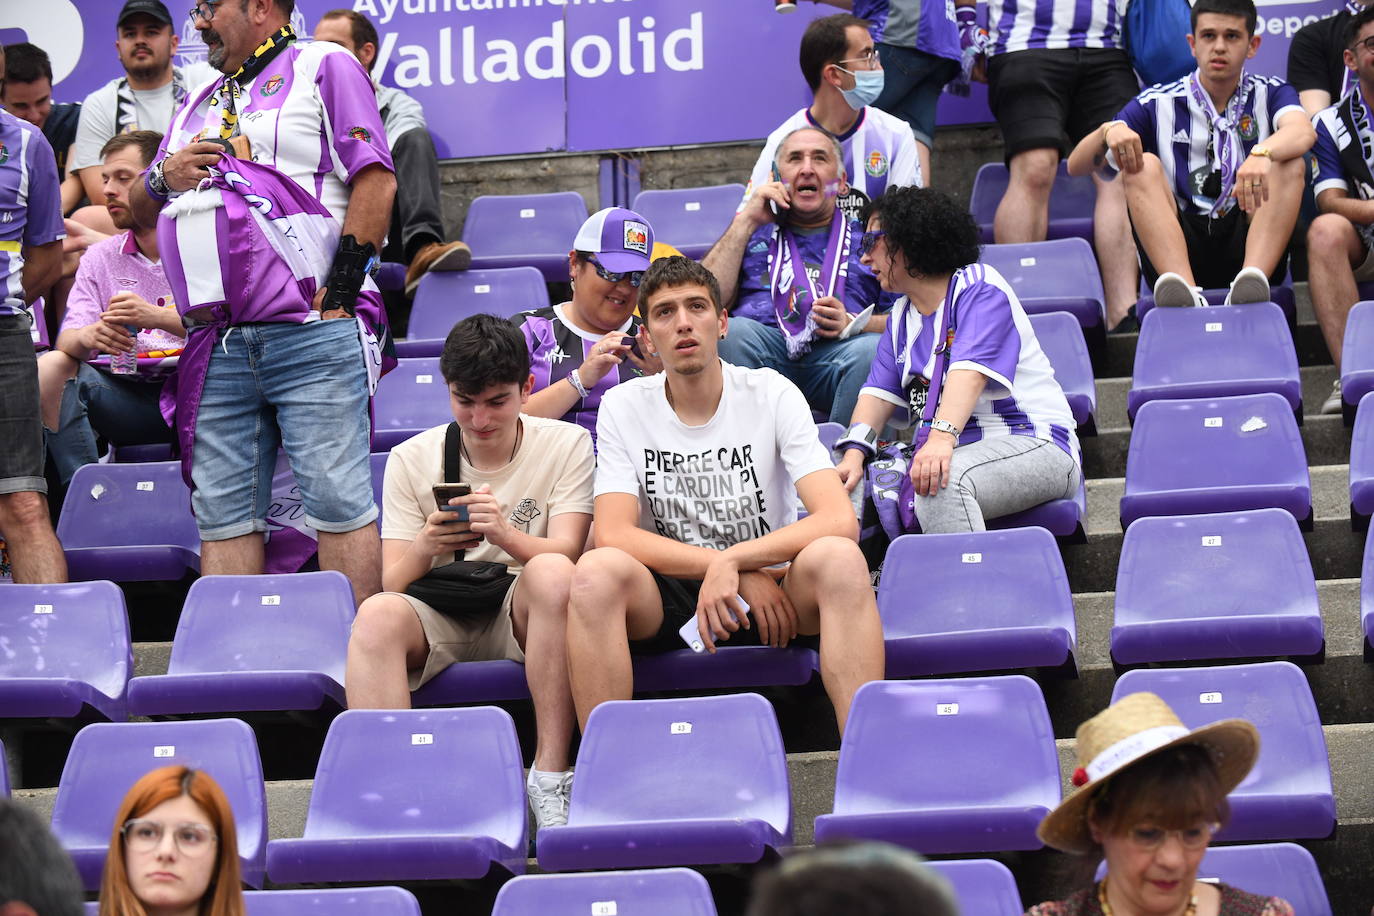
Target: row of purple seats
[(1357, 356), (348, 901), (689, 219), (524, 230), (129, 523), (410, 399), (1362, 464), (1072, 200), (1061, 337), (1053, 276), (445, 298)]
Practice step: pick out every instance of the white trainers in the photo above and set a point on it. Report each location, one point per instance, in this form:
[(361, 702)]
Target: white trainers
[(1332, 404), (1250, 285), (549, 795), (1172, 291)]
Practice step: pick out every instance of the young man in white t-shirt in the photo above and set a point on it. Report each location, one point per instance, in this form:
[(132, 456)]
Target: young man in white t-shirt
[(530, 508), (698, 472)]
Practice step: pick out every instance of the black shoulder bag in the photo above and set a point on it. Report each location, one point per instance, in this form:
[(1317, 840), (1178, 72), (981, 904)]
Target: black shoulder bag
[(464, 590)]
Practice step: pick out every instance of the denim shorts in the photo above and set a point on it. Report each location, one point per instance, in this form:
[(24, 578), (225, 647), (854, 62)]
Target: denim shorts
[(301, 387), (21, 429), (912, 83)]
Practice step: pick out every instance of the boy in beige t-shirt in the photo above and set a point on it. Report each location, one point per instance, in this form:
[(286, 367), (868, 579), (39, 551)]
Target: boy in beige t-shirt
[(530, 508)]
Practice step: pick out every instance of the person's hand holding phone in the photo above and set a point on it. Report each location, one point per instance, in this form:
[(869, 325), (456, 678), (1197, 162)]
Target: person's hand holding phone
[(605, 355), (769, 203), (486, 516), (444, 533), (640, 356)]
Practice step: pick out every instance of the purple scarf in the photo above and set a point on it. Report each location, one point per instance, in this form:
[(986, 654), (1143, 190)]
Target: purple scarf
[(793, 292), (1225, 129)]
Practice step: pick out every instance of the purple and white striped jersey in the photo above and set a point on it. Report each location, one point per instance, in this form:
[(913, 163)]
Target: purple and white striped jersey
[(1020, 25), (992, 336), (1176, 129), (30, 204)]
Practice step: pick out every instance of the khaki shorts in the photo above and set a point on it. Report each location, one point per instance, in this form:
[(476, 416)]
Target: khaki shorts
[(1365, 271), (451, 642)]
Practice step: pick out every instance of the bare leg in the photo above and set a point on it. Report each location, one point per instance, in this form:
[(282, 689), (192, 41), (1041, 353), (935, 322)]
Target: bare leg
[(1271, 228), (829, 586), (1155, 216), (386, 642), (1024, 213), (358, 555), (1333, 249), (1115, 249), (539, 615), (54, 369), (923, 156), (613, 600), (240, 556), (35, 554)]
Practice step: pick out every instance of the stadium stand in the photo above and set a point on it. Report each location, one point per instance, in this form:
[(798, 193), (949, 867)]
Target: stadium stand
[(410, 399), (1280, 869), (1053, 276), (689, 219), (524, 230), (1062, 340), (661, 891), (446, 297), (362, 901), (984, 886)]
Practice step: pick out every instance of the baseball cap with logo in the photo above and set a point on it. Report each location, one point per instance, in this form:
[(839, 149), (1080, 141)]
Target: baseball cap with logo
[(154, 8), (621, 239)]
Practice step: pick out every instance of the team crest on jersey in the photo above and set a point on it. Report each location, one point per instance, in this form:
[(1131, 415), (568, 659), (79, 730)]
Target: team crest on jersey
[(876, 163), (200, 135), (360, 133), (636, 237), (4, 154), (272, 86), (1248, 130)]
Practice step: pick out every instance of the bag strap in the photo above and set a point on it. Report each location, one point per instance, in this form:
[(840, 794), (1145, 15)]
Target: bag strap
[(453, 463)]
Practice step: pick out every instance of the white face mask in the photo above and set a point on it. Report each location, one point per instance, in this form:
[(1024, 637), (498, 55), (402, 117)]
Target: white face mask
[(868, 85)]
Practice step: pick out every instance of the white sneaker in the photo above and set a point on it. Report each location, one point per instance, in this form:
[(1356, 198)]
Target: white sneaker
[(1172, 291), (1332, 404), (549, 795), (1250, 285)]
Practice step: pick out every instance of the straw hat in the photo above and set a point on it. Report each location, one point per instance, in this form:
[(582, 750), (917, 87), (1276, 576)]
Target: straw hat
[(1129, 730)]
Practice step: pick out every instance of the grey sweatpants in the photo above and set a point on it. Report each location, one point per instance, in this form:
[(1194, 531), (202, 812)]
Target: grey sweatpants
[(996, 477)]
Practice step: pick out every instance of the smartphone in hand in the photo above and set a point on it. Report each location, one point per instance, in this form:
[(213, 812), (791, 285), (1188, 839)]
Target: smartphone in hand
[(692, 636), (443, 492)]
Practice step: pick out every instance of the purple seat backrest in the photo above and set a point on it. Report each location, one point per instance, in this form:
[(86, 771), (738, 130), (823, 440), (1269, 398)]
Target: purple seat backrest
[(1061, 337), (662, 892), (79, 630), (111, 505), (377, 463), (1274, 696), (1215, 442), (689, 218), (985, 887), (975, 741), (1218, 564), (296, 622), (4, 772), (412, 396), (447, 297), (830, 433), (523, 224), (407, 772), (106, 759), (940, 583), (364, 901), (667, 759), (1070, 197), (1214, 344), (1357, 349), (1270, 869), (1055, 269)]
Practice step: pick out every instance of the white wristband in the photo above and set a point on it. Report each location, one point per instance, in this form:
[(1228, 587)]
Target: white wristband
[(576, 382)]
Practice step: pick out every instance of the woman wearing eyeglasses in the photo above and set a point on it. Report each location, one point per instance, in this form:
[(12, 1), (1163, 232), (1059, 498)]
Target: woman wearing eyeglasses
[(1150, 795), (583, 348), (994, 434), (174, 851)]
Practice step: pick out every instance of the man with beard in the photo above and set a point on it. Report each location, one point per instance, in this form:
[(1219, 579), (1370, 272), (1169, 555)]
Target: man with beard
[(120, 303), (144, 98)]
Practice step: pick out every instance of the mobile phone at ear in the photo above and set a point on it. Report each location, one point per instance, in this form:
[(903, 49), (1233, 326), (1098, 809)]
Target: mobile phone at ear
[(443, 492)]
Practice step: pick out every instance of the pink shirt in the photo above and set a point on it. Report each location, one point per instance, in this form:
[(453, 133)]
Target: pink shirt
[(113, 266)]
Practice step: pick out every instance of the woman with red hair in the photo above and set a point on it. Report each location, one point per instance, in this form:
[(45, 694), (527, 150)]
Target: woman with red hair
[(174, 851)]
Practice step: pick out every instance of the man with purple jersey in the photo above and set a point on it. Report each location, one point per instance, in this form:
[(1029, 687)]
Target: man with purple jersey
[(284, 346), (1055, 70), (1212, 164), (31, 236), (582, 348)]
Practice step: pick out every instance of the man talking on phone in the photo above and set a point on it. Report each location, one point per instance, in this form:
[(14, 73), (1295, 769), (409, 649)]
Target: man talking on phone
[(789, 273)]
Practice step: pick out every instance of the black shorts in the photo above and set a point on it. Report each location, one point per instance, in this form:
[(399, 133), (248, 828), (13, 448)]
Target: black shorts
[(1216, 249), (1051, 99), (679, 598), (21, 429)]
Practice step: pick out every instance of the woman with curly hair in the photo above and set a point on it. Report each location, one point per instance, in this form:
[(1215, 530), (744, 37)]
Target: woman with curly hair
[(996, 435)]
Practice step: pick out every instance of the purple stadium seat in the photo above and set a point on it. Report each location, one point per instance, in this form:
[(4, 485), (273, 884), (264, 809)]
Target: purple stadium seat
[(1208, 353), (1357, 354), (1062, 518), (377, 463), (983, 601), (519, 230), (985, 887), (348, 901), (391, 276), (1061, 338), (662, 892), (694, 781), (411, 795), (445, 298), (690, 219), (106, 759), (492, 681), (830, 433), (1367, 594), (410, 399), (980, 756), (254, 644), (1282, 296), (1216, 455), (1272, 869), (67, 653), (1229, 585), (1362, 464), (1072, 200), (1056, 276), (4, 772), (1288, 793), (129, 523)]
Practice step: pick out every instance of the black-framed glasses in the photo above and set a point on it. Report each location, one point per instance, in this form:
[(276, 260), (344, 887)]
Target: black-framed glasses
[(205, 10), (1365, 43), (193, 840), (869, 240), (634, 276)]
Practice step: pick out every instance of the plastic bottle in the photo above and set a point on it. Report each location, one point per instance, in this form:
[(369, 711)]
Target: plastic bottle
[(123, 363)]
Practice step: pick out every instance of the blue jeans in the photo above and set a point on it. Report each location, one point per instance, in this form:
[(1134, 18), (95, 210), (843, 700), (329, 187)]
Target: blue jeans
[(302, 387), (123, 409), (912, 82), (830, 374)]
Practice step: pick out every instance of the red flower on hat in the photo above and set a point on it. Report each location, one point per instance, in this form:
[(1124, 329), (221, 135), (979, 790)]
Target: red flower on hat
[(1080, 777)]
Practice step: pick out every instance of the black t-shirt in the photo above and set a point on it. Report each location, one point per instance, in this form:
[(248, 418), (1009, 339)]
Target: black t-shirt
[(60, 132), (1316, 56)]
